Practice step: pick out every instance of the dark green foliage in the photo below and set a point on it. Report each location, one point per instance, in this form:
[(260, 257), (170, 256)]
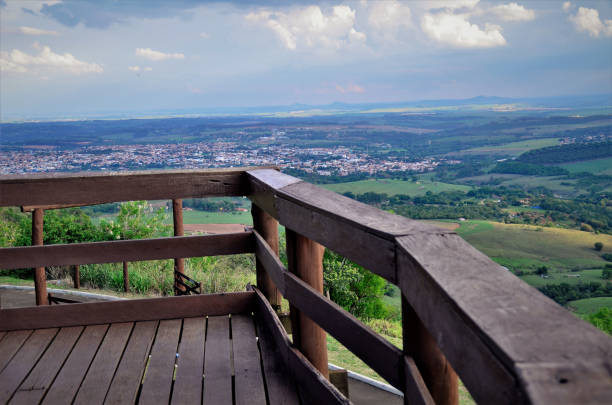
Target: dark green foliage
[(357, 290), (542, 271), (607, 257), (601, 319), (568, 153), (606, 273), (528, 169), (598, 246), (564, 292), (210, 205)]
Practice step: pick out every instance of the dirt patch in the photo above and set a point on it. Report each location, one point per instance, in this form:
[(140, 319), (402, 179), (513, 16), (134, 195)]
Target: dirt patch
[(213, 228), (446, 225)]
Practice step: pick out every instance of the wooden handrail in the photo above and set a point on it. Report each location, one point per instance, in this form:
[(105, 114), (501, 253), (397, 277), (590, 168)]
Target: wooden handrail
[(507, 342)]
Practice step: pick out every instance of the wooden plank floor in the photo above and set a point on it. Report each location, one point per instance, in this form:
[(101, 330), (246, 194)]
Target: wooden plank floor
[(210, 360)]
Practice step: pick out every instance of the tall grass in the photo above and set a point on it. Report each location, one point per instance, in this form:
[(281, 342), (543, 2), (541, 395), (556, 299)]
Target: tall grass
[(217, 274)]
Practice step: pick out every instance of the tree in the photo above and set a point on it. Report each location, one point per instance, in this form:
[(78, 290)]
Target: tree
[(136, 220), (598, 246), (542, 271), (606, 273)]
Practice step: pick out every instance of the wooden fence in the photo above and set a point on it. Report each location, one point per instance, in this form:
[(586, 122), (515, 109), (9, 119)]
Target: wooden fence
[(462, 313)]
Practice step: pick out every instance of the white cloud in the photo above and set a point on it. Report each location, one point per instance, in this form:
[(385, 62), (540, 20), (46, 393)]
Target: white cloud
[(156, 55), (36, 31), (147, 69), (513, 12), (204, 35), (457, 31), (18, 61), (134, 68), (449, 4), (587, 19), (566, 6), (310, 27), (387, 17)]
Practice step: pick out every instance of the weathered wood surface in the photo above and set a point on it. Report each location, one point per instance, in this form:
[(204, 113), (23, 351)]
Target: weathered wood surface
[(305, 260), (267, 227), (249, 382), (102, 369), (190, 371), (179, 230), (68, 380), (125, 311), (40, 378), (436, 371), (98, 188), (9, 345), (23, 361), (495, 329), (378, 353), (217, 363), (40, 277), (126, 382), (157, 385), (313, 386), (125, 250)]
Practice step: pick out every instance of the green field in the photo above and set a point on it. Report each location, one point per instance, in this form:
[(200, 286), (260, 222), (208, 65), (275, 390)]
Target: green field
[(202, 217), (392, 187), (512, 148), (590, 305), (574, 277), (553, 183), (597, 166), (526, 247)]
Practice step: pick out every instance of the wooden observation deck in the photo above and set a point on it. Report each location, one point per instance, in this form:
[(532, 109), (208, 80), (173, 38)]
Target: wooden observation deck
[(462, 314)]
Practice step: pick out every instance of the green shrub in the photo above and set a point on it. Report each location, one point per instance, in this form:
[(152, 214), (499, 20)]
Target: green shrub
[(601, 319)]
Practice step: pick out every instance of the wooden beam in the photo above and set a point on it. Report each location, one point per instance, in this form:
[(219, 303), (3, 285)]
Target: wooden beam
[(267, 227), (305, 259), (384, 358), (40, 277), (496, 330), (126, 278), (76, 276), (437, 373), (126, 311), (177, 217), (126, 250), (313, 386), (97, 188)]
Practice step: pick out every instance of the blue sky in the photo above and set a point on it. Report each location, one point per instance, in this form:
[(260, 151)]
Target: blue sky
[(84, 56)]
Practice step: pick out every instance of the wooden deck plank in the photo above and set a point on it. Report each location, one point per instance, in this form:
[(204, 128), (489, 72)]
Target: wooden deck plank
[(157, 383), (247, 365), (74, 369), (10, 344), (98, 378), (125, 384), (34, 387), (23, 361), (190, 370), (217, 366), (2, 335)]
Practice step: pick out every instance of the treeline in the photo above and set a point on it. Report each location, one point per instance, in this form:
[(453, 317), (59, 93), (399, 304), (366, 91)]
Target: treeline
[(564, 292), (568, 153), (204, 204), (528, 169)]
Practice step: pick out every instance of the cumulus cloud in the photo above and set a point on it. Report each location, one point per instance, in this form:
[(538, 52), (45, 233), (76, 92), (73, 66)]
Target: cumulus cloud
[(513, 12), (36, 31), (587, 20), (566, 6), (450, 4), (156, 55), (457, 31), (310, 27), (387, 17), (18, 61)]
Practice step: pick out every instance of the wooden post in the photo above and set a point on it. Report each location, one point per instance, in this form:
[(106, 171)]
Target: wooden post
[(305, 259), (76, 276), (267, 227), (40, 278), (126, 278), (438, 374), (177, 216)]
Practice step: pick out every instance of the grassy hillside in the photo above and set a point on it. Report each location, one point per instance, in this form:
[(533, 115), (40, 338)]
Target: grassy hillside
[(590, 305), (512, 148), (526, 247), (393, 187), (596, 166)]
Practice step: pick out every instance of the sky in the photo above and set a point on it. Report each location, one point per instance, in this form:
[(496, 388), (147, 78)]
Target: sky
[(63, 58)]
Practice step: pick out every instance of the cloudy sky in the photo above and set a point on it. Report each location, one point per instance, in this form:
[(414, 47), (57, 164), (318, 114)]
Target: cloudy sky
[(95, 56)]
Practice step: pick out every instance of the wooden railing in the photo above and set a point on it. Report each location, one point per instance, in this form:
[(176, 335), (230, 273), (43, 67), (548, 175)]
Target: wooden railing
[(461, 312)]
